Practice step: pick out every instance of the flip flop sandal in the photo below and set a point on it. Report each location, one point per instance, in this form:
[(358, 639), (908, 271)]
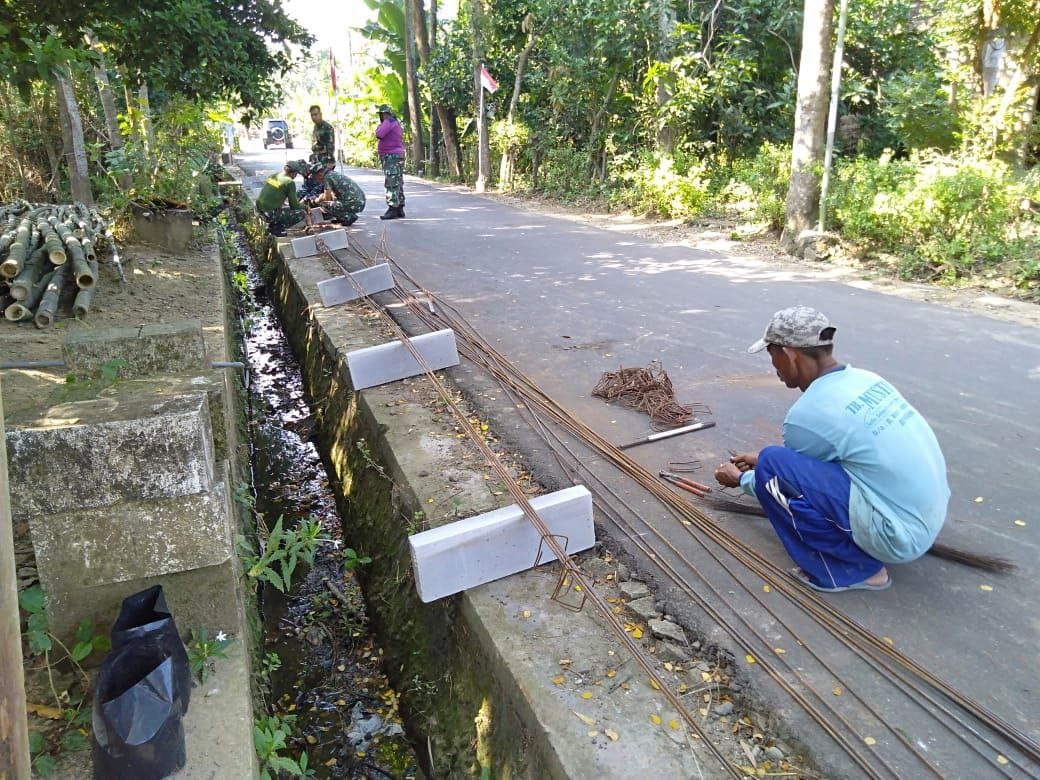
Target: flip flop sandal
[(803, 578)]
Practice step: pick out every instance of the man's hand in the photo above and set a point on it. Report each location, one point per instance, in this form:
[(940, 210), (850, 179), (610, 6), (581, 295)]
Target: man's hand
[(728, 475), (745, 461)]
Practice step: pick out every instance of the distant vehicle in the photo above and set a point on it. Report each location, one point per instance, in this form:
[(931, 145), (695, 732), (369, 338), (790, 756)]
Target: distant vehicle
[(276, 134)]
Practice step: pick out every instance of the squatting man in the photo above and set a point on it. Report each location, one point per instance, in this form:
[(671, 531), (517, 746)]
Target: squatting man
[(860, 480)]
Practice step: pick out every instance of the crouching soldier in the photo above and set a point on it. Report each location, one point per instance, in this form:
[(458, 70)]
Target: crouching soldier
[(278, 189), (342, 199)]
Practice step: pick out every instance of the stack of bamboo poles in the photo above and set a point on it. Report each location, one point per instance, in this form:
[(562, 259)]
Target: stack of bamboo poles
[(44, 249)]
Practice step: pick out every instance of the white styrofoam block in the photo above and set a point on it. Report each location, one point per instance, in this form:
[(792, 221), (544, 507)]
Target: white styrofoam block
[(480, 549), (341, 289), (389, 362), (305, 246)]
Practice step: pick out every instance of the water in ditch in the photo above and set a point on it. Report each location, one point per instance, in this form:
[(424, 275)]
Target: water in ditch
[(321, 666)]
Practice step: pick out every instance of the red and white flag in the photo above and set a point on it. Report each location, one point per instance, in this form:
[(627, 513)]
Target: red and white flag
[(332, 70), (487, 82)]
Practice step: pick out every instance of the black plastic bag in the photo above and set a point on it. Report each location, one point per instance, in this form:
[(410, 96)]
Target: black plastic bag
[(141, 694)]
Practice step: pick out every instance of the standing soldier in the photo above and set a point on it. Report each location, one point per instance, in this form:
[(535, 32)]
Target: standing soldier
[(323, 140), (342, 198), (391, 156), (277, 189)]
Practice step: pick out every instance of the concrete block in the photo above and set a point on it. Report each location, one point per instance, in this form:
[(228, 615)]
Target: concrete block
[(306, 246), (146, 349), (341, 289), (318, 217), (90, 454), (140, 539), (389, 362), (217, 384), (495, 544)]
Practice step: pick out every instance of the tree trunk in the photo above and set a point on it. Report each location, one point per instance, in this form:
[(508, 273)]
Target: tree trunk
[(664, 92), (505, 172), (8, 125), (79, 177), (146, 119), (1016, 91), (483, 148), (412, 87), (14, 745), (445, 116), (598, 119), (810, 121), (108, 106)]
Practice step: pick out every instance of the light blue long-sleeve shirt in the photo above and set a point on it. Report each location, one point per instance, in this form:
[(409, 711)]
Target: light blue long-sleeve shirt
[(899, 493)]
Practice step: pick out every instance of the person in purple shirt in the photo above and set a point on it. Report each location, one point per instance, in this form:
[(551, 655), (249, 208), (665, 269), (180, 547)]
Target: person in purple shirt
[(391, 157)]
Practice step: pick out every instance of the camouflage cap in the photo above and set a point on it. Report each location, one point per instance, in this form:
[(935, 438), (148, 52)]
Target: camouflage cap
[(384, 108), (797, 326), (297, 166), (317, 167)]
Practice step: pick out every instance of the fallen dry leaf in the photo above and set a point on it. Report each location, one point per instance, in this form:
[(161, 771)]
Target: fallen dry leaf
[(44, 711), (669, 665), (887, 640), (586, 695), (637, 633), (655, 719), (1020, 522), (837, 691), (986, 588), (614, 736), (979, 499), (558, 679), (766, 589), (611, 672), (527, 613), (779, 650), (592, 734), (682, 688), (585, 718), (673, 724), (749, 658), (564, 662), (1001, 759), (869, 740)]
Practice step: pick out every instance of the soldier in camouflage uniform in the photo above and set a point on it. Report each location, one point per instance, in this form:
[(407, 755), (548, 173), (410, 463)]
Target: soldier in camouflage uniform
[(342, 199), (391, 156), (323, 140), (277, 189)]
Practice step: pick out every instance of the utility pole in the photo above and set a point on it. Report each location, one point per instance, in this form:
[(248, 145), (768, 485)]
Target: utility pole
[(14, 729)]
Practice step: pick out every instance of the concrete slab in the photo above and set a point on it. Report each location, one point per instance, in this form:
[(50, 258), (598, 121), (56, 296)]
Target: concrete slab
[(140, 539), (90, 454), (145, 349), (481, 549), (342, 289), (392, 361), (171, 229), (306, 246)]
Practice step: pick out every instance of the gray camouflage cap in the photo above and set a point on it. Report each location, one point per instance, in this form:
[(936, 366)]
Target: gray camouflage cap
[(798, 326)]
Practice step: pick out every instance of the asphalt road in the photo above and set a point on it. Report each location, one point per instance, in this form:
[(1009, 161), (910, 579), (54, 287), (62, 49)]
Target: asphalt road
[(567, 301)]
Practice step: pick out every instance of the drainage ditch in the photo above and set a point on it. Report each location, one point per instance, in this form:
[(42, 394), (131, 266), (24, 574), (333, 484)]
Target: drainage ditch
[(320, 666)]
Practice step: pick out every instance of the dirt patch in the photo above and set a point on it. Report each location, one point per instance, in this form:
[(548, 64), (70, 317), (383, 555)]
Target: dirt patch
[(161, 287), (993, 297)]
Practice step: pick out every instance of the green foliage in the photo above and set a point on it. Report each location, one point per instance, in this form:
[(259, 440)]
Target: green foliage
[(759, 184), (202, 650), (661, 186), (947, 215), (68, 731), (270, 735), (280, 552), (351, 560), (177, 170)]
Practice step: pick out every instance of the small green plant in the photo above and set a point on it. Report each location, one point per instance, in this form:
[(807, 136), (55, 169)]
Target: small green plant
[(202, 650), (366, 455), (71, 718), (241, 282), (269, 664), (281, 551), (351, 559), (243, 496), (269, 738), (110, 370)]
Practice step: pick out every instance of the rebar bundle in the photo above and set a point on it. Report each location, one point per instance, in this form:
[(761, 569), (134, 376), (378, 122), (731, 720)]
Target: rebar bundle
[(37, 243), (648, 390)]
